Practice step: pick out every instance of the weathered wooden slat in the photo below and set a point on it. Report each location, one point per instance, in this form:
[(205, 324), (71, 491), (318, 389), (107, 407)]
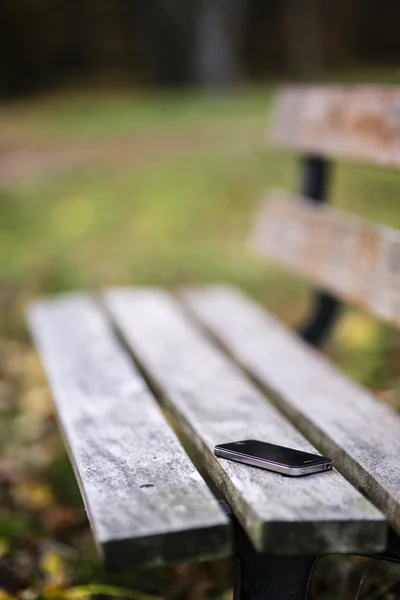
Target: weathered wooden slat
[(215, 403), (354, 259), (341, 418), (359, 123), (146, 502)]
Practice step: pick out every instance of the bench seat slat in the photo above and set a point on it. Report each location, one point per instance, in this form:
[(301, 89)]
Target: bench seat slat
[(146, 501), (342, 419), (215, 403), (352, 258)]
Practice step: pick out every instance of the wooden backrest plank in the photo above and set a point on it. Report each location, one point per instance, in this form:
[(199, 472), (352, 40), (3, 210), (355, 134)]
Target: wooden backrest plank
[(146, 502), (356, 260), (359, 123), (215, 403), (342, 419)]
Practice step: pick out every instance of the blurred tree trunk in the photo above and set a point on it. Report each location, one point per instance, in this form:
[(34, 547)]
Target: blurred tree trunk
[(341, 22), (159, 34), (217, 41), (303, 38), (186, 41)]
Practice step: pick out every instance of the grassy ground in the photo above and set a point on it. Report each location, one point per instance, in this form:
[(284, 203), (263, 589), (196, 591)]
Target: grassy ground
[(151, 190)]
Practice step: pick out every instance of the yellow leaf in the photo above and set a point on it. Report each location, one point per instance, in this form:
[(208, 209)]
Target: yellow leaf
[(33, 494), (54, 592), (6, 596), (356, 331), (86, 591), (52, 565)]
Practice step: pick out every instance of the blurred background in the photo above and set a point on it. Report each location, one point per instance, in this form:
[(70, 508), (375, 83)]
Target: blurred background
[(132, 151)]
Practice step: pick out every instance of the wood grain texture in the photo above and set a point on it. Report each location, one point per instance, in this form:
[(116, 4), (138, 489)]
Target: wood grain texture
[(146, 502), (359, 123), (342, 419), (354, 259), (215, 403)]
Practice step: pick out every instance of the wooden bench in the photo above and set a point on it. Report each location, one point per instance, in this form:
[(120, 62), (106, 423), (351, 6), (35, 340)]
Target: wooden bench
[(225, 369)]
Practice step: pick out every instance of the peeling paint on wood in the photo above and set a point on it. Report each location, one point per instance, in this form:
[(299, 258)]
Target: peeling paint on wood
[(341, 418), (361, 123), (213, 402), (146, 502)]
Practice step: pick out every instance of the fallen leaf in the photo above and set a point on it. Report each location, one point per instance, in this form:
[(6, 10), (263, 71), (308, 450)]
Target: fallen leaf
[(58, 518), (33, 495), (356, 331), (86, 591), (54, 592), (37, 399), (52, 565), (6, 596), (34, 371)]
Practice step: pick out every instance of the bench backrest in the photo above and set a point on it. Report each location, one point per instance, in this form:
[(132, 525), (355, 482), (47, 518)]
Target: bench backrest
[(349, 257), (361, 123), (354, 259)]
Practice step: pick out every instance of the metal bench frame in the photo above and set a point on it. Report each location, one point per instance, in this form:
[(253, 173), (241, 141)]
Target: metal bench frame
[(325, 308)]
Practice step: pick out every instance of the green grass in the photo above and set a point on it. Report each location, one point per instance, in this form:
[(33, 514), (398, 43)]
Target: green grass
[(154, 225), (82, 115), (181, 220)]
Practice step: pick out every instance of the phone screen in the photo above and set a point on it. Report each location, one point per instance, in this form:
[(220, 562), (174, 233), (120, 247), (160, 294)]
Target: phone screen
[(276, 454)]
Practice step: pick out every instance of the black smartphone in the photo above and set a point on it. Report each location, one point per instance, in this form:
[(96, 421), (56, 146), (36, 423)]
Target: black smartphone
[(274, 458)]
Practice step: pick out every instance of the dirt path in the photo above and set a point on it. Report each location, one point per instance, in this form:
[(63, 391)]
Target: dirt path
[(30, 159)]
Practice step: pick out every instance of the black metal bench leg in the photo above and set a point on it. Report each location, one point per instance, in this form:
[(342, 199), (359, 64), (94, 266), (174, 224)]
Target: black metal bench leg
[(273, 578), (323, 315), (266, 577), (392, 553), (325, 308)]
